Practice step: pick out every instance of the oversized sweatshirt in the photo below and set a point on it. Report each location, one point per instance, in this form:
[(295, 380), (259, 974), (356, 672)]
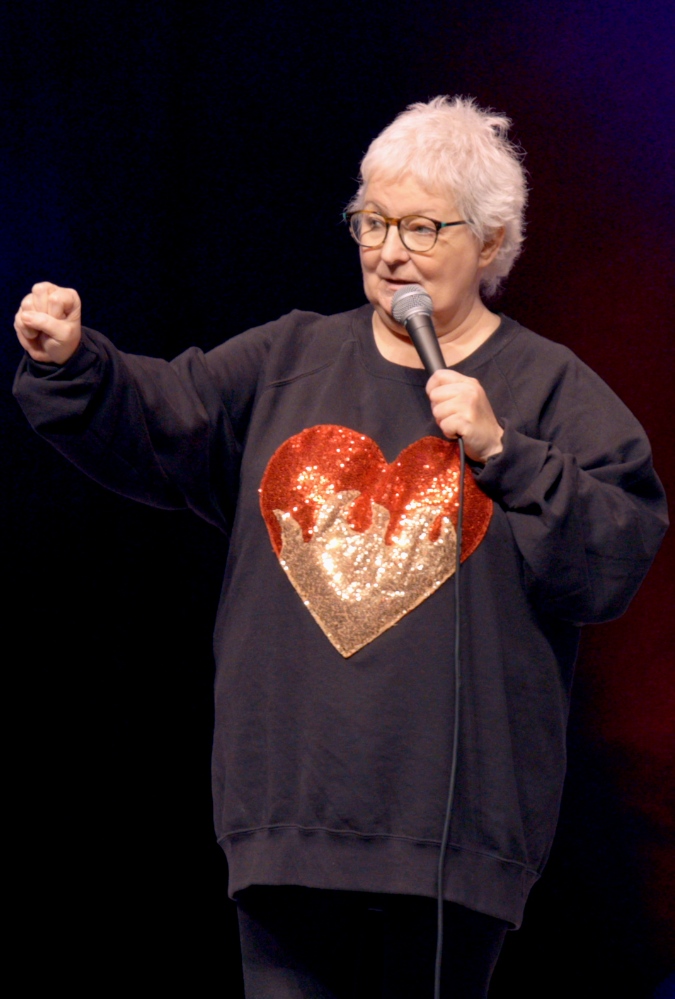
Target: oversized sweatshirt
[(335, 632)]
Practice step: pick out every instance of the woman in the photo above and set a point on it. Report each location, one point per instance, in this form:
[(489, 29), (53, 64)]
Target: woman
[(322, 447)]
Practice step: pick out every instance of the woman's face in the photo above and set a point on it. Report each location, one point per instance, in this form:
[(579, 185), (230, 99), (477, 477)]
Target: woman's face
[(450, 273)]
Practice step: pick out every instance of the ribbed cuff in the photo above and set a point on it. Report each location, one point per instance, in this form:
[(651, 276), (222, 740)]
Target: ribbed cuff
[(508, 476)]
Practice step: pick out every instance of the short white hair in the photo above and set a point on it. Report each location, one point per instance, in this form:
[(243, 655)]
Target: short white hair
[(451, 145)]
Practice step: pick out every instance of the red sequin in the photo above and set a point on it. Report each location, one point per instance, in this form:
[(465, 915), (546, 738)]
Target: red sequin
[(328, 459)]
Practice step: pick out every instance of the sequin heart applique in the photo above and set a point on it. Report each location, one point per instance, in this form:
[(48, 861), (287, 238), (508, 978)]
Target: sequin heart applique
[(364, 542)]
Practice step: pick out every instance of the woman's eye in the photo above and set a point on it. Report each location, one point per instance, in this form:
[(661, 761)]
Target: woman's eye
[(421, 226), (372, 223)]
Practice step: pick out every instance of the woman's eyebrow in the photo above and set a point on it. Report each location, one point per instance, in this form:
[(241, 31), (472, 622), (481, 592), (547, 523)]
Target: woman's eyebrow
[(376, 206)]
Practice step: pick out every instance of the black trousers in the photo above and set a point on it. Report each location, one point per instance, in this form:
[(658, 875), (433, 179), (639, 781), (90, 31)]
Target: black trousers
[(305, 943)]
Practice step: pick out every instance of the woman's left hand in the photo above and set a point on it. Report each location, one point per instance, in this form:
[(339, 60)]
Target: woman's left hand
[(462, 409)]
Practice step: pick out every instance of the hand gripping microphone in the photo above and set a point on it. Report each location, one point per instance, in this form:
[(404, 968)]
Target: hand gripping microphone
[(412, 307)]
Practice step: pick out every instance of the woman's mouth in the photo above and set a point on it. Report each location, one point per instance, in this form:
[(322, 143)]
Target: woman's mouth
[(396, 283)]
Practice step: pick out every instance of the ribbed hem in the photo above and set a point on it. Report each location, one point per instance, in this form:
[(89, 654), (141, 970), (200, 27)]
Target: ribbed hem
[(319, 858)]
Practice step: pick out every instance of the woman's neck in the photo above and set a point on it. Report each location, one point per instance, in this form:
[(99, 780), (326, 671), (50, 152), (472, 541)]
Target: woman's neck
[(456, 344)]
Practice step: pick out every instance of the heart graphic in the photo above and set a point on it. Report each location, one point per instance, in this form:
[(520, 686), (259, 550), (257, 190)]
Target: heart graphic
[(364, 542)]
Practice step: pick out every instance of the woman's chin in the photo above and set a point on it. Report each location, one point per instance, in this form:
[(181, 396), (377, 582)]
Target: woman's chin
[(388, 324)]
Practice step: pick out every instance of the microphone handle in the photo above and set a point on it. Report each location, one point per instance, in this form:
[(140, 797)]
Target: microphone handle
[(420, 329)]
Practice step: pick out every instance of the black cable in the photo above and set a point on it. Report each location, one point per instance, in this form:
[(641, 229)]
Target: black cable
[(455, 737)]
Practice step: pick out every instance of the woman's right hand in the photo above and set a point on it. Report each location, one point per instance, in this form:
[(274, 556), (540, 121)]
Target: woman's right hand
[(48, 323)]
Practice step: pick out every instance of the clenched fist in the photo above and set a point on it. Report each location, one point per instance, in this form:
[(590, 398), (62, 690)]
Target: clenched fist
[(462, 409), (48, 323)]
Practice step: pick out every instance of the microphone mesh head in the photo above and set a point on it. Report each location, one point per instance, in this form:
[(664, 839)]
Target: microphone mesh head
[(408, 300)]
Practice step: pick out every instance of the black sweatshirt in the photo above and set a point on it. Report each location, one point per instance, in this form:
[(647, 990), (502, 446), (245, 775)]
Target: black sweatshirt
[(331, 770)]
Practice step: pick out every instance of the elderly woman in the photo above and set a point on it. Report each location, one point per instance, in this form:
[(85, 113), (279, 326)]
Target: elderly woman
[(322, 447)]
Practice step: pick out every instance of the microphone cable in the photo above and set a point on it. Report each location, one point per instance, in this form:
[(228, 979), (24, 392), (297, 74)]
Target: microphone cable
[(455, 737), (412, 307)]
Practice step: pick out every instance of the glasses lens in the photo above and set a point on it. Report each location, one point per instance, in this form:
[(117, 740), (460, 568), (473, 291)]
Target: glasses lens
[(418, 233), (368, 228)]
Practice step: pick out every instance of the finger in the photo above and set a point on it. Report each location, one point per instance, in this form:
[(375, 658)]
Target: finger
[(447, 390), (450, 428), (57, 303), (41, 322), (454, 406), (23, 330), (41, 292), (443, 393), (449, 416), (450, 395), (68, 301), (444, 376), (455, 426)]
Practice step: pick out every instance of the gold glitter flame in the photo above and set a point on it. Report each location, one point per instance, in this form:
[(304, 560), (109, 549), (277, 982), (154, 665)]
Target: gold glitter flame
[(353, 584)]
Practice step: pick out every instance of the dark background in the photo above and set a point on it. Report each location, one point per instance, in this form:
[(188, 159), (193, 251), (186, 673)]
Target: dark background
[(133, 134)]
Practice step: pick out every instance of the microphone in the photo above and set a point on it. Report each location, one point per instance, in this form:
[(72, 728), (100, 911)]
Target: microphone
[(412, 307)]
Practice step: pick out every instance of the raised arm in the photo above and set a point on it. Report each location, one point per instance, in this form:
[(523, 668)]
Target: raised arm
[(153, 430)]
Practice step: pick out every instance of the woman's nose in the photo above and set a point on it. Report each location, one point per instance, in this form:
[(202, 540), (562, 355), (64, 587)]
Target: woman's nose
[(393, 248)]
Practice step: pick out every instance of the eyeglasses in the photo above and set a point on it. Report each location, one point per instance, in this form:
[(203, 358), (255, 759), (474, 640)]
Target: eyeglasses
[(417, 232)]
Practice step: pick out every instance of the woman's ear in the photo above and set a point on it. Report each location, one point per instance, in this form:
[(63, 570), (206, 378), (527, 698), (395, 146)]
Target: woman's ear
[(491, 246)]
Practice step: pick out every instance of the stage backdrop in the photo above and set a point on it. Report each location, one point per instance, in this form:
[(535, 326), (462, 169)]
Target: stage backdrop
[(134, 134)]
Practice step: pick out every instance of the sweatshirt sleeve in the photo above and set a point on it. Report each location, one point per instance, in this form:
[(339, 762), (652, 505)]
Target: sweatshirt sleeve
[(166, 433), (575, 478)]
